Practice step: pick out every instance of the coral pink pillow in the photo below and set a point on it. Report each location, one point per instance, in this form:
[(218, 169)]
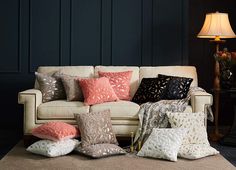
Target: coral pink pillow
[(55, 131), (120, 82), (97, 90)]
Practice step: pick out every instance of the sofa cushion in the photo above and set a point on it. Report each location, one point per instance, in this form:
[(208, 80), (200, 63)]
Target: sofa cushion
[(61, 109), (119, 110), (180, 71), (134, 82)]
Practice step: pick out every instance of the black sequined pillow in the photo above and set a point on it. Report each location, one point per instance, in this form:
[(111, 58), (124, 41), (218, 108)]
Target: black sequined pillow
[(177, 88), (151, 90)]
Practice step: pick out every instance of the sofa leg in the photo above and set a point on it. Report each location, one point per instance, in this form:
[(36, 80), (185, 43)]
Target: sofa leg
[(29, 139)]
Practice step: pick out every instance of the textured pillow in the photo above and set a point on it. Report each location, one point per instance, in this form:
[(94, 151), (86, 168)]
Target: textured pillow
[(53, 149), (97, 90), (150, 90), (55, 131), (120, 82), (178, 87), (50, 86), (100, 150), (72, 88), (95, 128), (163, 143), (194, 123), (196, 151)]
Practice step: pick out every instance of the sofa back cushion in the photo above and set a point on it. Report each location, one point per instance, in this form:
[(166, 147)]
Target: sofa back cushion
[(81, 71), (181, 71), (134, 82)]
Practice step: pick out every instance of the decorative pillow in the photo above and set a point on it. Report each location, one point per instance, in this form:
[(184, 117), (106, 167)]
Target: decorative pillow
[(194, 123), (120, 82), (50, 86), (196, 151), (150, 90), (95, 128), (97, 90), (100, 150), (163, 143), (53, 149), (178, 87), (72, 88), (55, 131)]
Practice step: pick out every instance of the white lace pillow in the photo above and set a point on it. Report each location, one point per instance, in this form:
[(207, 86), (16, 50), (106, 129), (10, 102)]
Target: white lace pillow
[(196, 151), (53, 149), (194, 123), (163, 143)]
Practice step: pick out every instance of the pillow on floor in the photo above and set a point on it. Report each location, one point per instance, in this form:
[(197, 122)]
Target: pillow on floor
[(194, 123), (72, 88), (150, 90), (196, 151), (53, 149), (97, 90), (50, 86), (95, 128), (177, 88), (163, 143), (100, 150), (120, 82), (55, 131)]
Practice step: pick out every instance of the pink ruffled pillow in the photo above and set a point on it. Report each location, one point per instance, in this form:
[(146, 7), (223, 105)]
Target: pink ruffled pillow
[(120, 82), (55, 131), (97, 90)]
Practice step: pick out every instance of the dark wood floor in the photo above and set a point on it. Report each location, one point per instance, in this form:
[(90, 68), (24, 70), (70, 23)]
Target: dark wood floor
[(9, 138)]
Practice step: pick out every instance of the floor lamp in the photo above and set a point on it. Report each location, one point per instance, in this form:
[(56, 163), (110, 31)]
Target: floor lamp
[(215, 27)]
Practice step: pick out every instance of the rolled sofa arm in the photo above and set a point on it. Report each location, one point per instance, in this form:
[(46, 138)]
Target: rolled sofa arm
[(31, 99), (199, 100)]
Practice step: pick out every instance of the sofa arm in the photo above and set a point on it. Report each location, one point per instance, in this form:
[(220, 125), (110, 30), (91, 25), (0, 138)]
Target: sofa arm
[(31, 99), (199, 100)]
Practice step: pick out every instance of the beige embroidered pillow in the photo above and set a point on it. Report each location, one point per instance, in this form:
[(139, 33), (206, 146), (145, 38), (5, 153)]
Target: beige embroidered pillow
[(194, 123), (100, 150), (95, 128)]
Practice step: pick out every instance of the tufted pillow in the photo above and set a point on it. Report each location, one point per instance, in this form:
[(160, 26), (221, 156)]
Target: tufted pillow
[(100, 150), (95, 128), (50, 86), (97, 90), (193, 122), (53, 149), (150, 90), (177, 88), (196, 151), (55, 131), (72, 88), (120, 82), (163, 143)]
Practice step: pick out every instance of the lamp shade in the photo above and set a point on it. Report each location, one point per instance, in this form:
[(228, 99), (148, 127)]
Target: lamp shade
[(216, 25)]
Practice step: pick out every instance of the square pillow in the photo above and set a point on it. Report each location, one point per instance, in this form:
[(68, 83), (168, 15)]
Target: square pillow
[(55, 131), (177, 88), (163, 143), (196, 151), (100, 150), (53, 149), (97, 90), (150, 90), (120, 82), (95, 128), (50, 86), (194, 123), (72, 88)]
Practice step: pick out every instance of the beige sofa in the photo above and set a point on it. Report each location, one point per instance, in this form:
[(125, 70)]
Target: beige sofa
[(124, 114)]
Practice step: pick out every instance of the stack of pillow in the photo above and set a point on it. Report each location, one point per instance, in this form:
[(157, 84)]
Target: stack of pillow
[(57, 139), (97, 137)]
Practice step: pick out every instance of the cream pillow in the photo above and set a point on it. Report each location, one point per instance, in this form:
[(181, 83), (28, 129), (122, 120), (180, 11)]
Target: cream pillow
[(163, 143), (194, 123)]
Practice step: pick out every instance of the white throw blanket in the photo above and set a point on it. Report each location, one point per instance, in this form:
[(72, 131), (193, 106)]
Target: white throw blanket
[(153, 115)]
